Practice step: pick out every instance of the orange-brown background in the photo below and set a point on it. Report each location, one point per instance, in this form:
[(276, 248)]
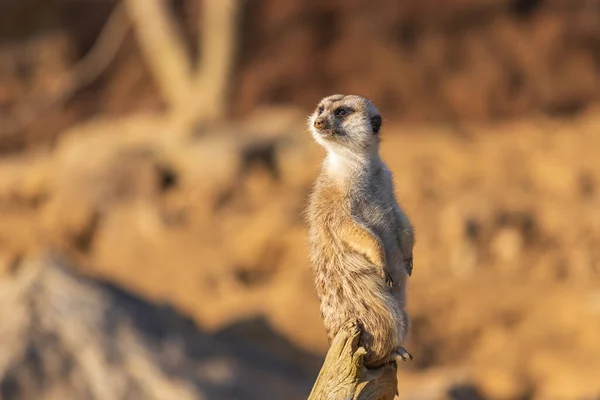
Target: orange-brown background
[(491, 128)]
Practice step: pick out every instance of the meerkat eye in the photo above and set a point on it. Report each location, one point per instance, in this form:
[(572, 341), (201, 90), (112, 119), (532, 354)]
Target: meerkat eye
[(340, 112), (320, 110)]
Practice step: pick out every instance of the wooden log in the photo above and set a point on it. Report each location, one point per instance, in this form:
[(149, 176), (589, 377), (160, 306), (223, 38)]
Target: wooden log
[(343, 375)]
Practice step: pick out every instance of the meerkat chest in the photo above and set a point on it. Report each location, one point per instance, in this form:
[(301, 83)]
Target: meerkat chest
[(376, 210)]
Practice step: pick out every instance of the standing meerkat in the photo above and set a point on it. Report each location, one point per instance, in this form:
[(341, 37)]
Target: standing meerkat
[(361, 242)]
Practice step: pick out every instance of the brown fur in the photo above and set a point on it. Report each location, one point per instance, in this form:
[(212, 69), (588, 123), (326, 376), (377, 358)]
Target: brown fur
[(361, 242)]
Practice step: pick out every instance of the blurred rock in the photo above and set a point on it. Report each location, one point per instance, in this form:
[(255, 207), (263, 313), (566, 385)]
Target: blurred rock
[(67, 336)]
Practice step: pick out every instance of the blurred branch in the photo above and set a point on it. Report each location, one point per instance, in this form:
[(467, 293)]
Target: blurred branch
[(85, 71), (344, 377), (199, 95), (163, 48), (103, 52), (191, 95), (217, 54)]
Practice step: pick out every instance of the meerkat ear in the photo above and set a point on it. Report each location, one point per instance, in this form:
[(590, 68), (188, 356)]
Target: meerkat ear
[(376, 124)]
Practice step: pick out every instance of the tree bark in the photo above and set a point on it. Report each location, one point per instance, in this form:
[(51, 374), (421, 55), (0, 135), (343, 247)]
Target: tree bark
[(344, 377)]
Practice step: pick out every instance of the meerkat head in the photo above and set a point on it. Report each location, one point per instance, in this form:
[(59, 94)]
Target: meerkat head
[(346, 124)]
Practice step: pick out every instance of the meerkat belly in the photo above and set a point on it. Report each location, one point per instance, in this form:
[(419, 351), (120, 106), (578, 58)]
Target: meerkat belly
[(349, 289)]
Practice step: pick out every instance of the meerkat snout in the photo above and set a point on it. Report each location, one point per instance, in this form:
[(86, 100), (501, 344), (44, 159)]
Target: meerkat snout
[(319, 123)]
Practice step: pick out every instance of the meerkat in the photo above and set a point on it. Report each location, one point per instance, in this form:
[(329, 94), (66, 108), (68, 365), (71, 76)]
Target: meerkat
[(360, 240)]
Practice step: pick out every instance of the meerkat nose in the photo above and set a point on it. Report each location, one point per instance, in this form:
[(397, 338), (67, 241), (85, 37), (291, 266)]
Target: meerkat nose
[(319, 123)]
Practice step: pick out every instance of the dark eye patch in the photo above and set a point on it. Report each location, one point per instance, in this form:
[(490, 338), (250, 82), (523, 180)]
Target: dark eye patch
[(320, 110), (376, 124), (342, 112)]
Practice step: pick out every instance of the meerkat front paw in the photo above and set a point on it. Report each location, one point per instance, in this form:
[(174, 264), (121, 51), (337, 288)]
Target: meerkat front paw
[(388, 279), (376, 255)]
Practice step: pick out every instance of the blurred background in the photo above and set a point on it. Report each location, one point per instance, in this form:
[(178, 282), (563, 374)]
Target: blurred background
[(154, 168)]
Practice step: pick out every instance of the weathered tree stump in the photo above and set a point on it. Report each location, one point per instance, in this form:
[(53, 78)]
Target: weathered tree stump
[(344, 377)]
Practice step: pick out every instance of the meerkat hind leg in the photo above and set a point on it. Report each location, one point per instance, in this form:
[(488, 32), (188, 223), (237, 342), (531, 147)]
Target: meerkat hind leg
[(402, 353), (399, 352)]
